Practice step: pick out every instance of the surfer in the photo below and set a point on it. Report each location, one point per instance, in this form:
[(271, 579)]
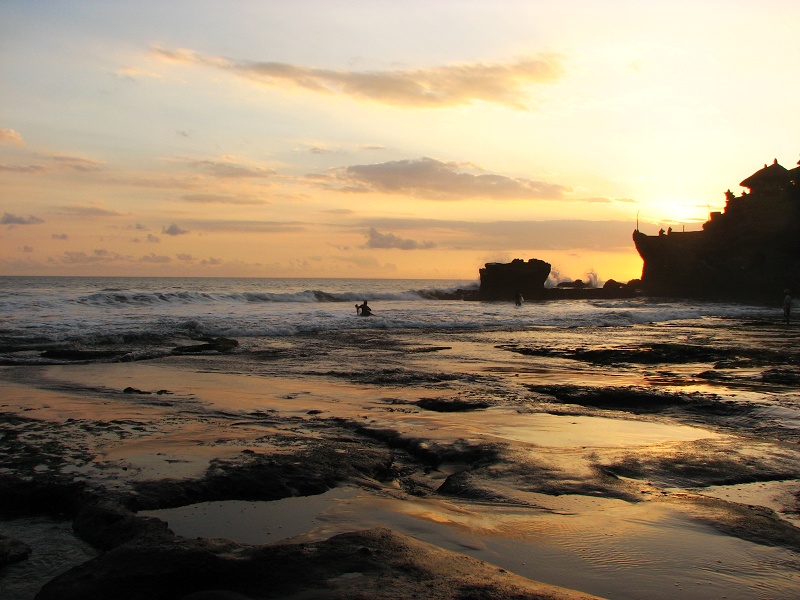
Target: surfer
[(363, 309), (787, 306), (518, 299)]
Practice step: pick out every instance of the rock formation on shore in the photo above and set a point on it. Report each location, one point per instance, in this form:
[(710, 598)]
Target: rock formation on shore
[(503, 281)]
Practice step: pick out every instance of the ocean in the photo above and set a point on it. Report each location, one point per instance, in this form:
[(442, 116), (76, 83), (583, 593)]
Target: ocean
[(145, 315)]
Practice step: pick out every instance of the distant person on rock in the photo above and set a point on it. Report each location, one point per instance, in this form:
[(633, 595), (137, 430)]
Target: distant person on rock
[(363, 309), (787, 306)]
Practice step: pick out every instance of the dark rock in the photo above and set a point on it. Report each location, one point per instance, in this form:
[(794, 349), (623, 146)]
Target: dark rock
[(220, 344), (641, 400), (461, 485), (216, 595), (50, 495), (12, 550), (393, 566), (254, 476), (503, 281), (784, 375), (450, 404), (106, 525), (578, 284), (67, 354), (133, 390)]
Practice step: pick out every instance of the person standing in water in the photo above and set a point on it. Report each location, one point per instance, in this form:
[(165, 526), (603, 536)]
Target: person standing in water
[(787, 306), (363, 309)]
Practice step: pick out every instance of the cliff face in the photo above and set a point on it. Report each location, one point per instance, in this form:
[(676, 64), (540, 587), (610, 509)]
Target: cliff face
[(503, 281), (749, 251)]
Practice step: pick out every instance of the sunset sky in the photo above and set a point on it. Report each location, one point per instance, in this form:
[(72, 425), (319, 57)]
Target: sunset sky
[(378, 138)]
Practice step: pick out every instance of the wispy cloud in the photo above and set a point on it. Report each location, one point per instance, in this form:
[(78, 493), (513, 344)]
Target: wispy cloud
[(513, 235), (74, 163), (220, 199), (135, 73), (97, 256), (87, 211), (226, 168), (250, 226), (22, 168), (155, 258), (9, 219), (173, 229), (441, 86), (55, 162), (10, 136), (375, 239), (436, 180)]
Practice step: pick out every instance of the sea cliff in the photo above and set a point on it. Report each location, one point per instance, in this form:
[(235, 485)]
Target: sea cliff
[(749, 251)]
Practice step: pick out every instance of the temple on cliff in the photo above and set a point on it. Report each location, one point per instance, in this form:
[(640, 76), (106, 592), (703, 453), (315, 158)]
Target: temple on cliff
[(751, 250)]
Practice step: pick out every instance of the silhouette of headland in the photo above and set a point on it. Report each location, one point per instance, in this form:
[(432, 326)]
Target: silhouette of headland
[(750, 251)]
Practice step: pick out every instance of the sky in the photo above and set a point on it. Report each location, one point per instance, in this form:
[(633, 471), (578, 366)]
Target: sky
[(376, 138)]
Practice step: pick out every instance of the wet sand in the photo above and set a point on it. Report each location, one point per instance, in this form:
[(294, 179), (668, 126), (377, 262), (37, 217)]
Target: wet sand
[(653, 462)]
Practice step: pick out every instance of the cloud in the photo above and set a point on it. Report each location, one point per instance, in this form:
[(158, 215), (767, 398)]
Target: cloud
[(220, 199), (173, 229), (227, 168), (515, 235), (250, 226), (56, 162), (134, 73), (9, 219), (87, 211), (74, 163), (23, 168), (155, 258), (97, 256), (60, 236), (448, 85), (365, 262), (436, 180), (322, 150), (10, 136), (375, 239)]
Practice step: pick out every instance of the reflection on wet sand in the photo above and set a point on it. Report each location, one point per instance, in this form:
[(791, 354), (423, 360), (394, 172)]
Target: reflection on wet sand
[(599, 459)]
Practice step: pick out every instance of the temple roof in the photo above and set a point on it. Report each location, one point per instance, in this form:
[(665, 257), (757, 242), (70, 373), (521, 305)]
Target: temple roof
[(769, 175)]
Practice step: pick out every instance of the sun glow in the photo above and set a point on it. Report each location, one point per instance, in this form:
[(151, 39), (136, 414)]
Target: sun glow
[(345, 150)]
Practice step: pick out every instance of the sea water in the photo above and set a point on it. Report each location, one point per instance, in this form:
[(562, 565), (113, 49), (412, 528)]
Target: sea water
[(139, 312)]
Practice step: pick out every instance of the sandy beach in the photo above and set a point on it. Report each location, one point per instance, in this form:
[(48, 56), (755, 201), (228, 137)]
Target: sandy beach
[(652, 461)]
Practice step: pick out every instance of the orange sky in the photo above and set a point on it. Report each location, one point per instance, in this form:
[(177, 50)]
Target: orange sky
[(375, 138)]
